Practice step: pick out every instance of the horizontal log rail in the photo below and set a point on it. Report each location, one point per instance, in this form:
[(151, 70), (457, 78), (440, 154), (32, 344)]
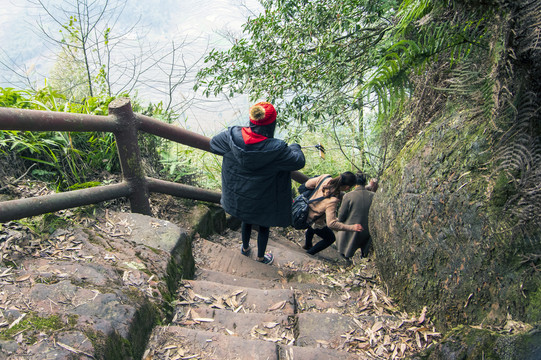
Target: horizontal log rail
[(125, 125)]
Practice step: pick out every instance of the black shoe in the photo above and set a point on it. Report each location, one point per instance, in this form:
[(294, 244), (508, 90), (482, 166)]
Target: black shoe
[(267, 259), (245, 252)]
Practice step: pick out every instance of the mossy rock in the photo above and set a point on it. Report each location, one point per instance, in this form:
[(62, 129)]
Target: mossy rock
[(446, 230), (468, 343)]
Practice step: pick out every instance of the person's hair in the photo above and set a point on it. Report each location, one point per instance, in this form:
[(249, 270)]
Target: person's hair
[(265, 130), (344, 179), (373, 185), (361, 179)]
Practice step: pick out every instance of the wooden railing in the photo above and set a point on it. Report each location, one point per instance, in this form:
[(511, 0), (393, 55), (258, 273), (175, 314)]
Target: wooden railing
[(125, 125)]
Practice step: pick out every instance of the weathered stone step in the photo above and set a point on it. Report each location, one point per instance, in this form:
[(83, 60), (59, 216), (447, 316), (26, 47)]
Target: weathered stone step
[(216, 257), (285, 244), (237, 298), (175, 342), (300, 281), (241, 281), (315, 353), (341, 332), (290, 256), (323, 329), (251, 326)]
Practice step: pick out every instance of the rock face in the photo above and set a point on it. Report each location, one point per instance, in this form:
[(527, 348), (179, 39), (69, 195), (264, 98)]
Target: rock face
[(88, 291), (443, 238), (456, 222)]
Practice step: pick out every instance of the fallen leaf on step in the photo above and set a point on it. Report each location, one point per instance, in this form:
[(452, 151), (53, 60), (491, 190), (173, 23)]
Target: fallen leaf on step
[(262, 332), (270, 325), (203, 319), (17, 321), (422, 317), (23, 278), (403, 348), (278, 305)]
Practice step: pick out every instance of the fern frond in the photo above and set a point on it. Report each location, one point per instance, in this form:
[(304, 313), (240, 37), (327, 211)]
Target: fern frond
[(410, 11), (519, 153)]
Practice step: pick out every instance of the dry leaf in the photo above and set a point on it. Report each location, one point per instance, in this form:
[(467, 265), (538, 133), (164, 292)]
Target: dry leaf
[(203, 319), (16, 321), (377, 326), (403, 348), (6, 272), (418, 339), (270, 325), (23, 278), (277, 306), (259, 331), (422, 317)]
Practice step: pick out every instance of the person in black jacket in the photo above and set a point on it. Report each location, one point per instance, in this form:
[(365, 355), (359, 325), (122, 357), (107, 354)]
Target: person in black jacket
[(256, 176)]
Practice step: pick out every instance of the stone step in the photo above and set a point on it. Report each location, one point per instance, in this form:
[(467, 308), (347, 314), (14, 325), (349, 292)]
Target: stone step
[(316, 353), (220, 259), (282, 242), (342, 332), (237, 298), (300, 281), (175, 342), (216, 257), (323, 329), (292, 257), (251, 326), (241, 281)]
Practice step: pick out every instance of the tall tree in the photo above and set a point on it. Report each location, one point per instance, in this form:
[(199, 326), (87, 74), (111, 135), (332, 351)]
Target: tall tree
[(85, 33), (103, 52), (310, 58)]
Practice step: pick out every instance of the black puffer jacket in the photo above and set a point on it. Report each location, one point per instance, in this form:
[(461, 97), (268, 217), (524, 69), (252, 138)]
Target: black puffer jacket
[(256, 178)]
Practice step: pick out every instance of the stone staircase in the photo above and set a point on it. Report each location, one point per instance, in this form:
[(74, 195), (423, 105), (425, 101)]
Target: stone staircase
[(237, 308)]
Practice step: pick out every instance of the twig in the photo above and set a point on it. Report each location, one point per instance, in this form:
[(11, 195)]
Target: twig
[(73, 350), (19, 178)]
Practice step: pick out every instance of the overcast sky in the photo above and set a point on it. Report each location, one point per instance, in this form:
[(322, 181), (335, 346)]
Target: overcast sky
[(21, 46)]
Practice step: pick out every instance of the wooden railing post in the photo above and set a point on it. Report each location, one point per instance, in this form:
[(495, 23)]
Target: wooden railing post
[(130, 155)]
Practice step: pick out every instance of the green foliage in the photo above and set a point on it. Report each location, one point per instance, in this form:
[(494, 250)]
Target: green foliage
[(187, 165), (533, 310), (10, 97), (63, 158), (85, 185), (306, 57), (345, 63), (423, 33)]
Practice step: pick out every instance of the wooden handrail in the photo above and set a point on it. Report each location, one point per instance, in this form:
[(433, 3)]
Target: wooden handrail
[(125, 125)]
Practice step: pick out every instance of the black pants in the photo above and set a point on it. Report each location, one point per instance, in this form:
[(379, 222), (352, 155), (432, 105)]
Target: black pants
[(262, 238), (327, 238)]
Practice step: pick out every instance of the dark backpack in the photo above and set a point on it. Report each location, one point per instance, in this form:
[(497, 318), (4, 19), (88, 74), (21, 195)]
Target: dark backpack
[(299, 209)]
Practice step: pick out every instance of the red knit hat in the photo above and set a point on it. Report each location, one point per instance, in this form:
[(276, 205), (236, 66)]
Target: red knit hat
[(262, 113)]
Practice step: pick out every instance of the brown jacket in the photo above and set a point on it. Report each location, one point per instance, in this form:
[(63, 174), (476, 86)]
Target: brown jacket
[(324, 209), (354, 210)]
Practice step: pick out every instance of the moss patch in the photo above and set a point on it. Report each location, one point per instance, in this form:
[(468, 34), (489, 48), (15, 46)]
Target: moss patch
[(31, 324)]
